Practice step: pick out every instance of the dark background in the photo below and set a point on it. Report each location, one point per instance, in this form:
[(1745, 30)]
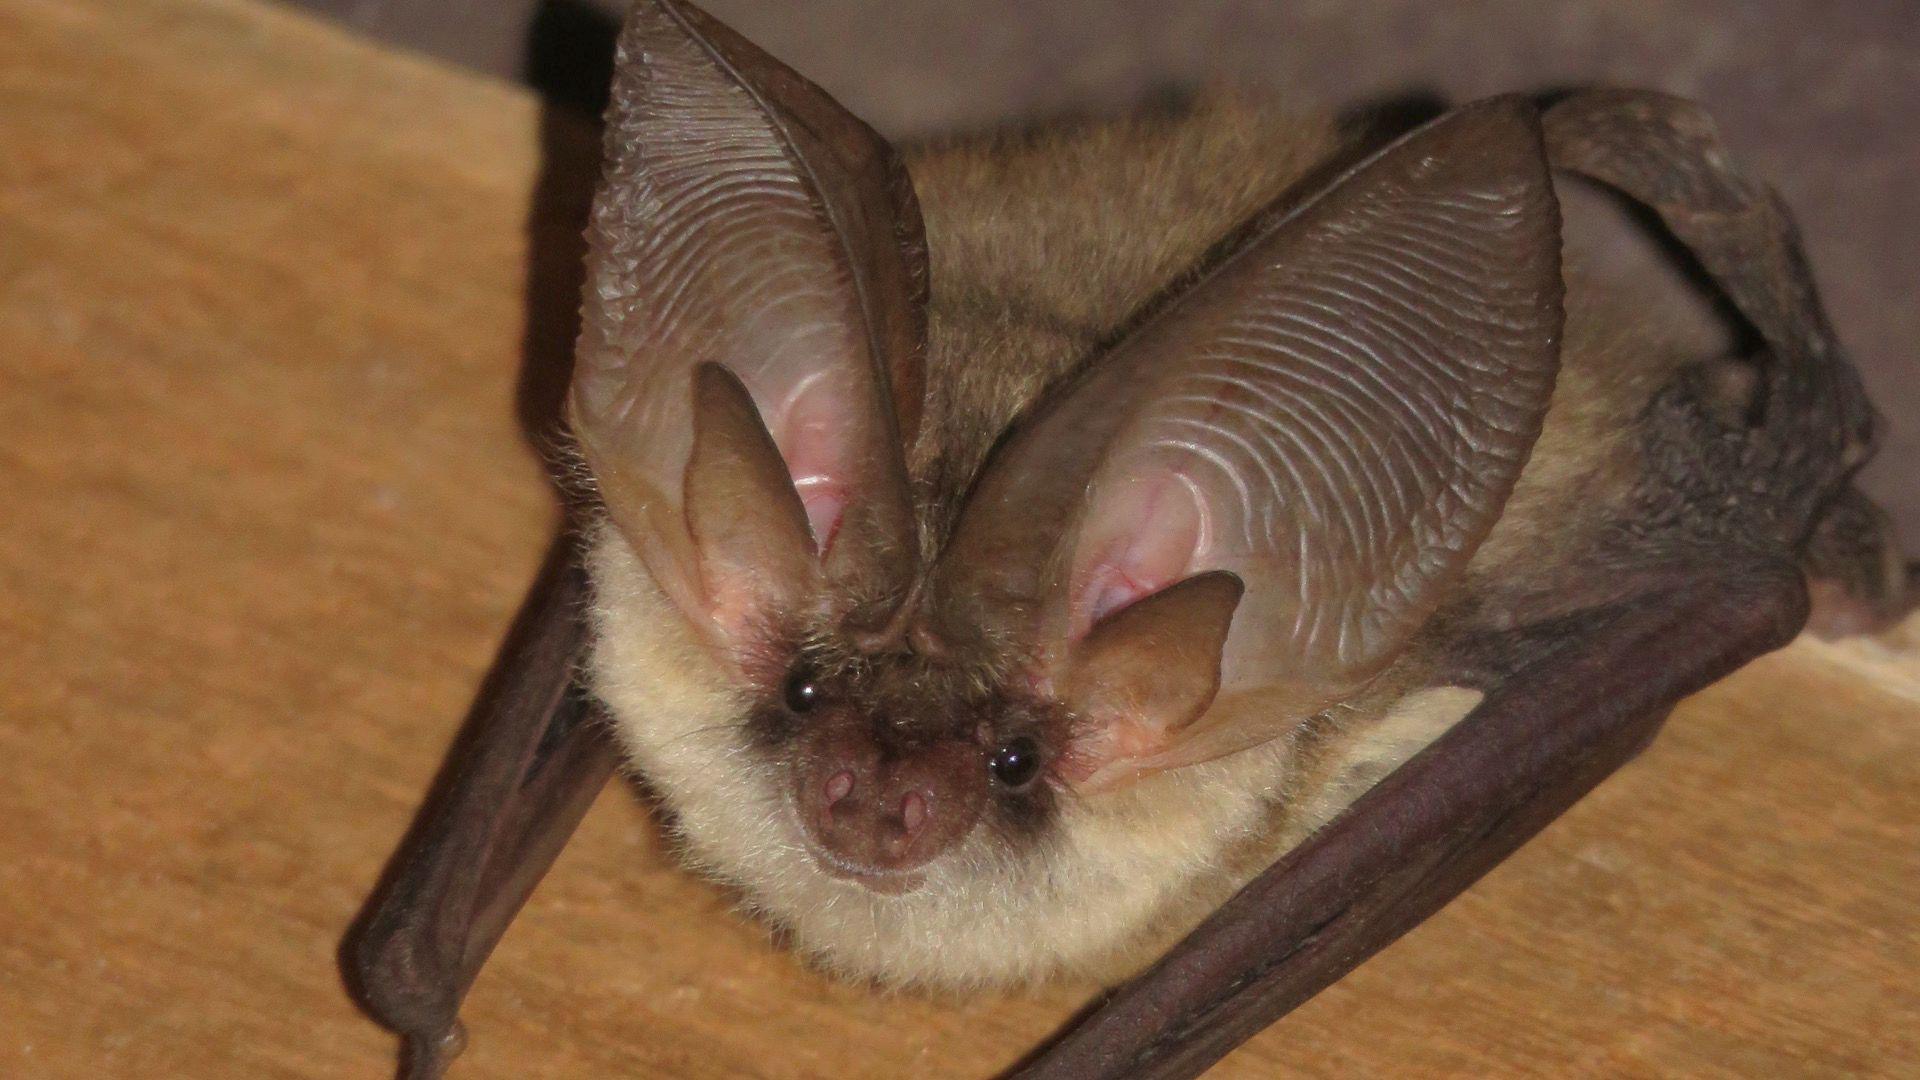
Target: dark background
[(1821, 98)]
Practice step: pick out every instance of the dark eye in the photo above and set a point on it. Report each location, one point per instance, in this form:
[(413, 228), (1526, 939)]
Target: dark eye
[(802, 692), (1016, 763)]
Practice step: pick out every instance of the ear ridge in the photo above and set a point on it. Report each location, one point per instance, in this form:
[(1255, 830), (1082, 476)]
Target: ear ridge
[(870, 199), (747, 220), (1346, 400)]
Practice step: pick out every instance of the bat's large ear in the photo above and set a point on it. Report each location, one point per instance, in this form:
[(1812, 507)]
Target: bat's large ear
[(1335, 415), (751, 356)]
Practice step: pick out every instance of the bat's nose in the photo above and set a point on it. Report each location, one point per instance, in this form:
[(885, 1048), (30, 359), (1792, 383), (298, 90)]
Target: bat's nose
[(884, 813), (880, 824)]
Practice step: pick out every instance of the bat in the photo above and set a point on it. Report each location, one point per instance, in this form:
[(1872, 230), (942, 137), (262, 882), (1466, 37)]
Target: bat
[(1184, 550)]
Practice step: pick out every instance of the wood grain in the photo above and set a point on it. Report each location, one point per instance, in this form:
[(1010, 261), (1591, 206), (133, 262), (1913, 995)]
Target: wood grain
[(269, 504)]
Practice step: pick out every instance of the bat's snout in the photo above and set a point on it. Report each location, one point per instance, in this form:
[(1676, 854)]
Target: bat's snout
[(878, 814)]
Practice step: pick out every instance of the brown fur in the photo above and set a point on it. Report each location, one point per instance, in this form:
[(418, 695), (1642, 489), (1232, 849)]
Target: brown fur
[(1044, 247)]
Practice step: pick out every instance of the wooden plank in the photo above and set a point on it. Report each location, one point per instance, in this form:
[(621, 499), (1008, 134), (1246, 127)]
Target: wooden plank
[(269, 506)]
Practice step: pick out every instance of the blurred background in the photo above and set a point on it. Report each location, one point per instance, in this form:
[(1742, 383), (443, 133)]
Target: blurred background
[(1822, 99)]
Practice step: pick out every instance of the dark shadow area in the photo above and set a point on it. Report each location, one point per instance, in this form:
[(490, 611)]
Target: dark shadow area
[(1376, 122), (569, 56), (569, 61)]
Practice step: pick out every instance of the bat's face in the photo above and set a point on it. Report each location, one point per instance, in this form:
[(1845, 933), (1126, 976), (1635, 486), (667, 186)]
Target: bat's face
[(892, 761)]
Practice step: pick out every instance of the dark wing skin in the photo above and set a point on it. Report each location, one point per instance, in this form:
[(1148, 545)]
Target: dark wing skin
[(1568, 700), (516, 783)]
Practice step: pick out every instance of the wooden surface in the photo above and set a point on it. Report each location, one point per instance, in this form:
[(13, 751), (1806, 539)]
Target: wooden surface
[(268, 505)]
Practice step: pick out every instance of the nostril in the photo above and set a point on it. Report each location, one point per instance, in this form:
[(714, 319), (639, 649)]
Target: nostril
[(838, 787), (913, 812)]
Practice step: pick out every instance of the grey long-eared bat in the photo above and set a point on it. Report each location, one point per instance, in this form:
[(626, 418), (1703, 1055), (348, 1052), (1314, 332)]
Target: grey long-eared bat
[(1185, 549)]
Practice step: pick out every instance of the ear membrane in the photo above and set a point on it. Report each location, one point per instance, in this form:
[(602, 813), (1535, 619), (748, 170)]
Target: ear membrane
[(1146, 671), (748, 222), (746, 519)]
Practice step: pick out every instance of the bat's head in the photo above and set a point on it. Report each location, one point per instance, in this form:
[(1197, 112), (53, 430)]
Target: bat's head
[(972, 750)]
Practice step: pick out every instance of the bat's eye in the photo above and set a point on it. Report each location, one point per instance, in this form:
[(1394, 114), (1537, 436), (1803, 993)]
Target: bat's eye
[(802, 692), (1016, 763)]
